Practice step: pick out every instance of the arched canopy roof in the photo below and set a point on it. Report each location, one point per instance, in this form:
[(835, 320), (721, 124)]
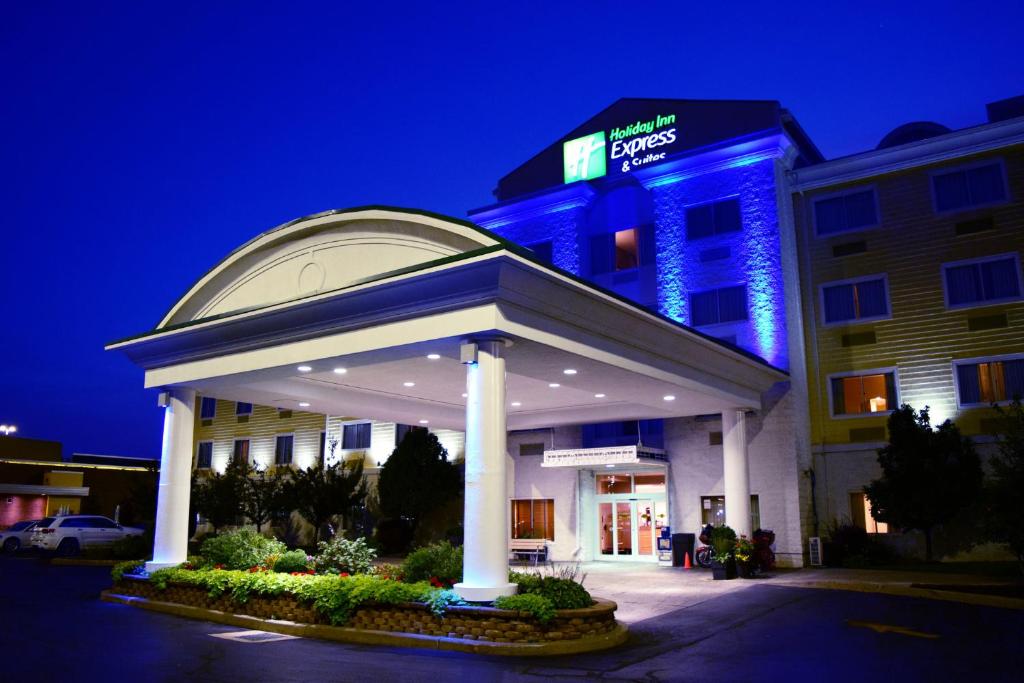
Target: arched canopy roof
[(321, 253)]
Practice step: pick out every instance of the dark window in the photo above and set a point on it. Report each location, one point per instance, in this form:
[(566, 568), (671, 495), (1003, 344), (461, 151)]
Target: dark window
[(208, 408), (283, 449), (243, 408), (863, 394), (974, 283), (103, 523), (990, 381), (356, 436), (531, 449), (967, 187), (542, 250), (240, 454), (718, 305), (716, 218), (846, 212), (854, 301), (400, 432), (626, 433), (78, 523), (204, 455), (323, 446)]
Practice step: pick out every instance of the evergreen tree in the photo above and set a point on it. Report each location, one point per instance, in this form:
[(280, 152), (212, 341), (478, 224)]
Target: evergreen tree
[(320, 493), (262, 494), (417, 478), (928, 475)]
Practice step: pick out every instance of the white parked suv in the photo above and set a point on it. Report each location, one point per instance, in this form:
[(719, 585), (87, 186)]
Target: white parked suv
[(71, 533)]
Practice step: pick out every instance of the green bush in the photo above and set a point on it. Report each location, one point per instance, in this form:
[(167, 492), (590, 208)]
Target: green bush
[(441, 561), (562, 593), (241, 549), (122, 568), (131, 546), (342, 556), (292, 561), (723, 539), (537, 605)]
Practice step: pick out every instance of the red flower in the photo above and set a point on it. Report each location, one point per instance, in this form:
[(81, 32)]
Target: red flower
[(218, 566), (310, 571), (343, 574)]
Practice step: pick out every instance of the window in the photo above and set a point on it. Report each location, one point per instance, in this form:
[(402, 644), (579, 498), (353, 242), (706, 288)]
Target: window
[(208, 408), (623, 250), (712, 511), (400, 432), (204, 455), (283, 449), (863, 393), (243, 408), (722, 305), (854, 210), (983, 382), (542, 250), (240, 452), (356, 436), (103, 523), (864, 299), (966, 187), (323, 447), (630, 483), (980, 281), (716, 218), (528, 449), (533, 518), (627, 249), (860, 513)]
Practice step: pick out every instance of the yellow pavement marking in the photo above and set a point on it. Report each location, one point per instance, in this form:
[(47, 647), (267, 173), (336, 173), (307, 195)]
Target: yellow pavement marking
[(888, 628)]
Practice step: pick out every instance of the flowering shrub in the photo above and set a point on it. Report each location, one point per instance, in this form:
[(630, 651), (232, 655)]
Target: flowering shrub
[(391, 572), (241, 549), (440, 561), (340, 555), (744, 549)]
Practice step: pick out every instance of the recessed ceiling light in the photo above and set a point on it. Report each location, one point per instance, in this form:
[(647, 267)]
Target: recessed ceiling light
[(670, 397), (340, 371), (568, 371), (598, 395), (433, 356), (554, 385), (516, 404), (611, 467), (465, 396), (304, 368), (408, 384), (424, 422), (303, 405)]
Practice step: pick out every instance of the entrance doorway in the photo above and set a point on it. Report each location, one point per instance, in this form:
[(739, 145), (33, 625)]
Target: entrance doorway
[(631, 510)]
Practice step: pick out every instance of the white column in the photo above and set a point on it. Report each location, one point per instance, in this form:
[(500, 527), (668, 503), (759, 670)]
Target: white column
[(485, 561), (737, 475), (170, 545)]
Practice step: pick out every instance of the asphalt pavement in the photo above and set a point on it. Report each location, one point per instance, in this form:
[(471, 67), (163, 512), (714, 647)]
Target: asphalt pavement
[(53, 628)]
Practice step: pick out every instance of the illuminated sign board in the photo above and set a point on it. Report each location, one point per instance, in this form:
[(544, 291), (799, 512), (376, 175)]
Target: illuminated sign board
[(615, 455), (626, 148)]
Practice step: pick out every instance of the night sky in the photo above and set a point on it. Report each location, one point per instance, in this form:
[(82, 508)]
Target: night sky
[(140, 146)]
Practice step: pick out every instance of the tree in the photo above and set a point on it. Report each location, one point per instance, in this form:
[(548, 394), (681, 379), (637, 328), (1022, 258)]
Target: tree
[(417, 478), (262, 494), (1004, 518), (319, 493), (218, 497), (928, 475)]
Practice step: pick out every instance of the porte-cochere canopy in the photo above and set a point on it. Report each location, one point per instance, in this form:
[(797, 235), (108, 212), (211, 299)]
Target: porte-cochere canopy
[(411, 317)]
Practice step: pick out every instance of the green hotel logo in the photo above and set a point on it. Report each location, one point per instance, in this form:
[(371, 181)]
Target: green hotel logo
[(583, 158)]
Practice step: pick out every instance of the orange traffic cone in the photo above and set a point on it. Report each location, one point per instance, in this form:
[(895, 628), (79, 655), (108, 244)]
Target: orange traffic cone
[(686, 561)]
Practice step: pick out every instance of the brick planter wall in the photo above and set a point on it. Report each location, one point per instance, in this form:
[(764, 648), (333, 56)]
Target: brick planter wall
[(484, 624)]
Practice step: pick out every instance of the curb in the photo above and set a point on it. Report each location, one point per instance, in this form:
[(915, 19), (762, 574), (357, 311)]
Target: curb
[(366, 637), (72, 562), (910, 591)]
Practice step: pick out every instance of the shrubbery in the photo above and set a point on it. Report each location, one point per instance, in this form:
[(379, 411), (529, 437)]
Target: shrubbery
[(562, 593), (292, 561), (440, 561), (723, 539), (130, 547), (537, 605), (342, 556), (241, 549)]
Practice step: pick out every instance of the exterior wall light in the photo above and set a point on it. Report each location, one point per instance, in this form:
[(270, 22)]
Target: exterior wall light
[(304, 368)]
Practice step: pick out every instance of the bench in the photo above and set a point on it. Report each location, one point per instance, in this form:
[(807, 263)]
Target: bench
[(529, 547)]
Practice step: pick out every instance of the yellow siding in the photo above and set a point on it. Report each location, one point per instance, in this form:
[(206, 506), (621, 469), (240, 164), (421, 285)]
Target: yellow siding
[(922, 338), (62, 479)]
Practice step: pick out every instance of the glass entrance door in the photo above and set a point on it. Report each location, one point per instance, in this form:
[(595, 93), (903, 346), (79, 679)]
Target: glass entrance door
[(631, 510)]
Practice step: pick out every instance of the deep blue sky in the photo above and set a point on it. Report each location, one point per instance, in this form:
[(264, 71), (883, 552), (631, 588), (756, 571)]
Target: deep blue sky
[(141, 144)]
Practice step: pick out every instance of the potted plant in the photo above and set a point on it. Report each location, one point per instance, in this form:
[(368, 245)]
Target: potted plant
[(744, 553), (723, 565)]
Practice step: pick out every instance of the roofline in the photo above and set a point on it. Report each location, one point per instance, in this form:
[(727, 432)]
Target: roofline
[(955, 144)]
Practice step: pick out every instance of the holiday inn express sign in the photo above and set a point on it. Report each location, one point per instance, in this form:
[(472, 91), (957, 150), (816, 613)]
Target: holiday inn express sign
[(622, 150)]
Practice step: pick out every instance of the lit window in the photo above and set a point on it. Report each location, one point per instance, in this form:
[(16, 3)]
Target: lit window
[(356, 436), (982, 281), (716, 218), (533, 518), (627, 249), (208, 408), (849, 211), (204, 455), (726, 304), (966, 187), (862, 394), (860, 511), (621, 251), (283, 449), (712, 511), (859, 300), (990, 381), (243, 408)]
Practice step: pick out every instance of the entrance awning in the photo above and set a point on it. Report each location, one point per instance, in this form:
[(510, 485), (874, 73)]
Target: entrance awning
[(362, 313)]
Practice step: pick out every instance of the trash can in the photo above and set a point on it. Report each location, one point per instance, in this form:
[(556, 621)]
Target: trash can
[(681, 544)]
